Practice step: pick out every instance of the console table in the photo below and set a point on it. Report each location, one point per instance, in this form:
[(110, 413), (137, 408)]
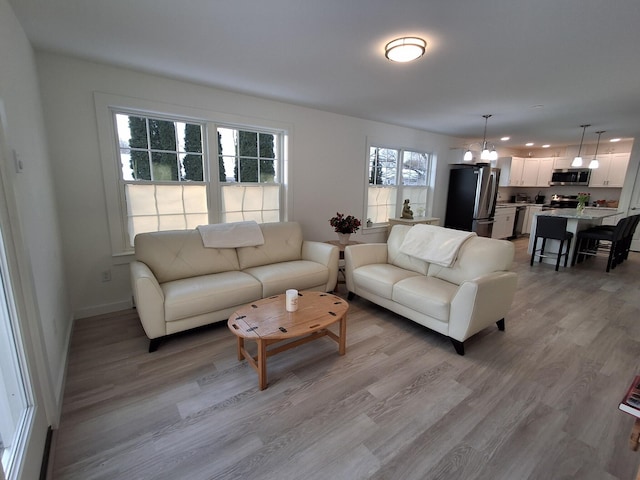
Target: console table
[(413, 221)]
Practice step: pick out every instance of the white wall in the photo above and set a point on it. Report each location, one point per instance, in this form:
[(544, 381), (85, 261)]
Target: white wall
[(34, 193), (328, 155)]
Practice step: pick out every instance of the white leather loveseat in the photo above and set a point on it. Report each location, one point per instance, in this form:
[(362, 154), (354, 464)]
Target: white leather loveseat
[(179, 284), (457, 301)]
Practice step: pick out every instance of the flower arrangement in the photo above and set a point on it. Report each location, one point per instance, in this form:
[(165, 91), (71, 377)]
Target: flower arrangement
[(583, 198), (344, 224)]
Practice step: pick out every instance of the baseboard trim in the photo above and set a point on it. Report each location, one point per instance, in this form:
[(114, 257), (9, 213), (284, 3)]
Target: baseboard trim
[(44, 468), (102, 309)]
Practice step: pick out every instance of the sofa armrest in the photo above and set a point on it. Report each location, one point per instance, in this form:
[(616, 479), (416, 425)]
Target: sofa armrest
[(481, 302), (149, 299), (356, 256), (324, 254)]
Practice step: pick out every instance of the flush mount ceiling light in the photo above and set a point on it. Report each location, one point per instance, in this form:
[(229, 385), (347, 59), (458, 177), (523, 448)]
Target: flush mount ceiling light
[(405, 49), (577, 161), (486, 154), (594, 163)]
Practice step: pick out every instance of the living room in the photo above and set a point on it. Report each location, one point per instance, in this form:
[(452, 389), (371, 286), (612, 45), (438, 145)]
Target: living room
[(61, 223)]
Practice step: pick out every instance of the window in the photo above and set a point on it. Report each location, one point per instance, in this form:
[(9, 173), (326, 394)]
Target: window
[(162, 173), (172, 176), (396, 175), (249, 167)]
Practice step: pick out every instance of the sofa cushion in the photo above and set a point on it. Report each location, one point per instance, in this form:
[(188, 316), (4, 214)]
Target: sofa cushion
[(189, 297), (379, 278), (477, 256), (282, 243), (176, 254), (427, 295), (399, 259), (298, 274)]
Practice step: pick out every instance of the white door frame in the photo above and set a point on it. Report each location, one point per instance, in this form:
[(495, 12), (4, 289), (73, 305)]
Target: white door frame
[(20, 286), (630, 196)]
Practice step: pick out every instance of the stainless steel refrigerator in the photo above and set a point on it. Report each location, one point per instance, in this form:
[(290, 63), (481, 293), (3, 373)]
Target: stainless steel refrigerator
[(471, 200)]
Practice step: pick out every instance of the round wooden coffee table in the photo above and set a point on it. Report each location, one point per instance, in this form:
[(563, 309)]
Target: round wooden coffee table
[(267, 322)]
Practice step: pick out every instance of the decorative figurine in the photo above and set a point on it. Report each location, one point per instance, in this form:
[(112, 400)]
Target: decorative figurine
[(406, 210)]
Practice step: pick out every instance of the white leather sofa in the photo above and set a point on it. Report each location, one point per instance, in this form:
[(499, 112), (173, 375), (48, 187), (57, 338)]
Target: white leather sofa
[(457, 301), (179, 284)]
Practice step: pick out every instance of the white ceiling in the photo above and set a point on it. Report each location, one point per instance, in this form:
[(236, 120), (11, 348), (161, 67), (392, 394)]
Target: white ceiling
[(541, 67)]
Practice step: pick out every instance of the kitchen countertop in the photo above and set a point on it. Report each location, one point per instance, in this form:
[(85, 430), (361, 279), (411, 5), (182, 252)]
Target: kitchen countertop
[(517, 204), (593, 213)]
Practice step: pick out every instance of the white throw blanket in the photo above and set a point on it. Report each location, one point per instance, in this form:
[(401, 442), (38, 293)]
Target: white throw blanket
[(231, 235), (434, 244)]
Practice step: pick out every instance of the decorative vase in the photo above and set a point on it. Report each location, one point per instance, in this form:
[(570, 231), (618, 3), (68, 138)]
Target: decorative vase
[(343, 238), (580, 207)]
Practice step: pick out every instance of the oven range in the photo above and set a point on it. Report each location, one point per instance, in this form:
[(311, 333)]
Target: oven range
[(561, 201)]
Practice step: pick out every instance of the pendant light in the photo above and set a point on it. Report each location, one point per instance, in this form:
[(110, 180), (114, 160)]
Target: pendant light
[(577, 161), (486, 154), (594, 163)]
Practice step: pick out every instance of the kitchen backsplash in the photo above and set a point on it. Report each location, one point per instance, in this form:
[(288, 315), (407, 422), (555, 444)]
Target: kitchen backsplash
[(604, 194)]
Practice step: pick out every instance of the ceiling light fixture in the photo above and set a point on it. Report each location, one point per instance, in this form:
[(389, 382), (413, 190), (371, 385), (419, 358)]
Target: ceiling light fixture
[(405, 49), (577, 161), (594, 163), (486, 154)]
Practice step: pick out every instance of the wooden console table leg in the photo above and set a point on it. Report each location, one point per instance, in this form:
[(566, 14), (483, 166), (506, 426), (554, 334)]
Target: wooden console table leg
[(262, 364)]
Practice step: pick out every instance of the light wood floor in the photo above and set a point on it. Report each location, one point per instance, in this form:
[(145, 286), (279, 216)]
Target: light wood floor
[(538, 401)]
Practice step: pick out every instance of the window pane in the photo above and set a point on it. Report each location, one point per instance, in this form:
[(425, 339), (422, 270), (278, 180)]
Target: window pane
[(192, 167), (162, 135), (267, 171), (248, 170), (165, 167), (382, 166), (414, 168), (136, 133), (191, 140), (267, 145), (247, 144), (139, 165)]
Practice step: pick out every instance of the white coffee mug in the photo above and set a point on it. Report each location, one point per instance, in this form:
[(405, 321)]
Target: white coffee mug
[(292, 300)]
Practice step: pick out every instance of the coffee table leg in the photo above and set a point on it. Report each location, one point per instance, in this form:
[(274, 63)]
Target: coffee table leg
[(262, 364), (240, 348), (342, 344)]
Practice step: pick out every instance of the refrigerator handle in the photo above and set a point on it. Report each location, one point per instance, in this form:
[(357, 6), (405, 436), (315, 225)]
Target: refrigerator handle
[(493, 188)]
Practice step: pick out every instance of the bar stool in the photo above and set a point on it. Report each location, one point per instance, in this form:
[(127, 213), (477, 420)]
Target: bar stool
[(554, 228), (611, 241)]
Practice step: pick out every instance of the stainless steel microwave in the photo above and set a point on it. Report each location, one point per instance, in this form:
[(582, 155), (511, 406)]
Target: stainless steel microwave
[(571, 176)]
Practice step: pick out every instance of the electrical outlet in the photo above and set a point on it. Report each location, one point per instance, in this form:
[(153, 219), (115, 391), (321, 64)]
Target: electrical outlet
[(106, 276)]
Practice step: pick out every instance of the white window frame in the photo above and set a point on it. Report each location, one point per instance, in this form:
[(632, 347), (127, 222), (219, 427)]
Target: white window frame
[(402, 191), (107, 104)]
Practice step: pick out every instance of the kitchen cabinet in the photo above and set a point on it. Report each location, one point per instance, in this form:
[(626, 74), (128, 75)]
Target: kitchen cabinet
[(503, 222), (529, 216), (611, 172), (525, 172), (562, 163), (545, 169)]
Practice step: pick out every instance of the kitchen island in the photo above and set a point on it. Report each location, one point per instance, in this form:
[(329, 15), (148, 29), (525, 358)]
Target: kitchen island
[(576, 222)]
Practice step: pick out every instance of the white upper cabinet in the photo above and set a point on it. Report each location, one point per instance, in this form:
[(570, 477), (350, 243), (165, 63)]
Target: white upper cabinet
[(525, 172), (562, 163), (530, 172), (545, 170), (611, 172)]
